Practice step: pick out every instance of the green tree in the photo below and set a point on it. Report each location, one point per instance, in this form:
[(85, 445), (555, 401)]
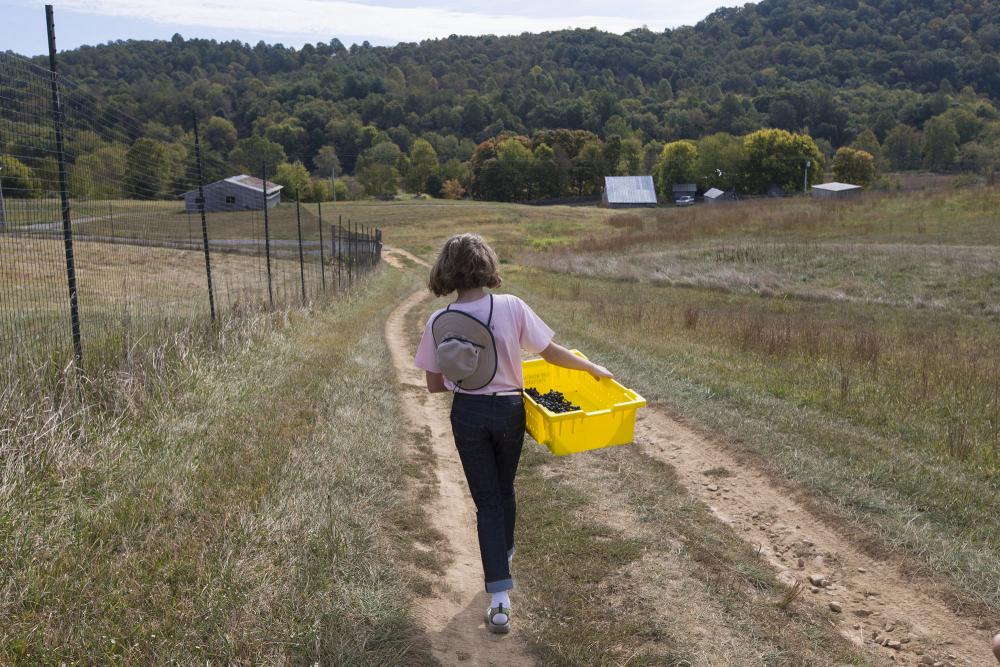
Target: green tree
[(677, 164), (326, 161), (589, 170), (903, 147), (868, 142), (630, 159), (720, 161), (423, 165), (251, 154), (220, 135), (98, 175), (378, 169), (851, 165), (547, 178), (940, 144), (778, 157), (18, 180), (147, 170), (295, 177)]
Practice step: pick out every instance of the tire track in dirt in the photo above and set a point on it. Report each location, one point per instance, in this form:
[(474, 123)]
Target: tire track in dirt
[(874, 598), (454, 616)]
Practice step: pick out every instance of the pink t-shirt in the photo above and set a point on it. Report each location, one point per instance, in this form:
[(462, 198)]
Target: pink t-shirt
[(515, 327)]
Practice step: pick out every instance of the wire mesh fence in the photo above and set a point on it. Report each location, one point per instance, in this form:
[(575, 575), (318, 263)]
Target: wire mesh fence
[(112, 231)]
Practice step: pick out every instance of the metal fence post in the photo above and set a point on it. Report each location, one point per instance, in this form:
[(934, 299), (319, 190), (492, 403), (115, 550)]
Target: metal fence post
[(204, 220), (302, 263), (378, 244), (340, 252), (67, 220), (350, 255), (322, 260), (267, 234)]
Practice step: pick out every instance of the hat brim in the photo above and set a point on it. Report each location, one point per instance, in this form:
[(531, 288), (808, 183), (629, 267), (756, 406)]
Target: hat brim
[(454, 323)]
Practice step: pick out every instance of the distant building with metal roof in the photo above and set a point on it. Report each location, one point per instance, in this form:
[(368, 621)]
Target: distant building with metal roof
[(236, 193), (715, 195), (836, 190), (628, 192)]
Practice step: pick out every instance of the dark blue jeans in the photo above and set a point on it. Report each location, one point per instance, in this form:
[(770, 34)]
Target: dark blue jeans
[(489, 433)]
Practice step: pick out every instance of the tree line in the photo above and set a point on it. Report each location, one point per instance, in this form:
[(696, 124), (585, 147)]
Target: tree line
[(913, 84)]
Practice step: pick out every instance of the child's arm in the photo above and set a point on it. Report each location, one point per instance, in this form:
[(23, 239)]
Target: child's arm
[(560, 356), (435, 382)]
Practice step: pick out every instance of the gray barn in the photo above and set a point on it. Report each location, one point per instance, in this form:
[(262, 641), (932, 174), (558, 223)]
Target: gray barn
[(629, 192), (236, 193), (836, 190)]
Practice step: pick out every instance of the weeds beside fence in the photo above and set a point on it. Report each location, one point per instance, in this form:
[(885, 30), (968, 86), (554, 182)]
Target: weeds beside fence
[(111, 233)]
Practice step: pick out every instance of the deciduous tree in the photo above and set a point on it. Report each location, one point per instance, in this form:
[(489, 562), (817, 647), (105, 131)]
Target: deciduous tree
[(851, 165)]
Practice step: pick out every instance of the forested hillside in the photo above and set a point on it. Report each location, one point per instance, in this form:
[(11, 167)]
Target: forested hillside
[(914, 84)]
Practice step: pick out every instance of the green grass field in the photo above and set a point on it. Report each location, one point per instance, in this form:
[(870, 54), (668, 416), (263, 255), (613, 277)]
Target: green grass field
[(232, 497)]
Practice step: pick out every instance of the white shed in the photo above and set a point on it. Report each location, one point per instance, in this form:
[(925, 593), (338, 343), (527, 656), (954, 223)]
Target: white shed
[(835, 190)]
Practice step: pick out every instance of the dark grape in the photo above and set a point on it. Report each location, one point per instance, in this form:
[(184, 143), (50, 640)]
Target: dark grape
[(553, 400)]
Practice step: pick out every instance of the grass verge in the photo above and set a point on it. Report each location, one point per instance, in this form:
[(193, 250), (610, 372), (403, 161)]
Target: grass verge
[(243, 509)]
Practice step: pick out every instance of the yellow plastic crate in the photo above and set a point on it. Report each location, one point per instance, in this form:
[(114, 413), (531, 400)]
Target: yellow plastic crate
[(606, 416)]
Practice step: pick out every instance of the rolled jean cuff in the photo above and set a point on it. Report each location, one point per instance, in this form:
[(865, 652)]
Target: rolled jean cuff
[(499, 586)]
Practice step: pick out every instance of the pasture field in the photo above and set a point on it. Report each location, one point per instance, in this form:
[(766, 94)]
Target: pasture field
[(128, 292), (852, 349), (824, 393)]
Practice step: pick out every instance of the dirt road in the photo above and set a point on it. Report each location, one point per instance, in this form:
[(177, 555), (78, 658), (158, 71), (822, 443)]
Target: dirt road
[(454, 616), (871, 602)]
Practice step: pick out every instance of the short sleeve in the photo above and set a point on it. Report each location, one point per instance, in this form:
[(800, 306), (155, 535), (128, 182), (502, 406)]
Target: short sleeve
[(426, 352), (533, 334)]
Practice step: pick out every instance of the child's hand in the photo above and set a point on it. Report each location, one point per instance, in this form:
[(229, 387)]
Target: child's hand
[(599, 372)]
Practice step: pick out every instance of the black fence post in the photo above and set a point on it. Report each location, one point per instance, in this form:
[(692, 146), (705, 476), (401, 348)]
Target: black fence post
[(340, 252), (302, 262), (204, 220), (267, 234), (67, 220), (378, 244), (322, 260), (350, 255)]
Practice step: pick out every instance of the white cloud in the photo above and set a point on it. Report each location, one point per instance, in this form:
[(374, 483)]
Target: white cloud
[(325, 19)]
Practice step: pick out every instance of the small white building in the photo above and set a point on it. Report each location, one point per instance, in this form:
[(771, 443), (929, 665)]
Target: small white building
[(835, 190), (629, 192), (715, 196)]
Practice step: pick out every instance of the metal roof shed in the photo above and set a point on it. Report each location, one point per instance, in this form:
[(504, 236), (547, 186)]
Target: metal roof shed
[(715, 195), (236, 193), (629, 192), (835, 190)]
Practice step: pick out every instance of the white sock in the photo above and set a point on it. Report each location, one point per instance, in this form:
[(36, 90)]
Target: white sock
[(501, 598), (510, 561)]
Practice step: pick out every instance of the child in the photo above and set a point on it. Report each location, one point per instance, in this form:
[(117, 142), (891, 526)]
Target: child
[(487, 418)]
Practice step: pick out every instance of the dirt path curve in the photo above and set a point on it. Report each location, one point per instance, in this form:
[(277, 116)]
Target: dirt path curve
[(454, 616), (874, 598)]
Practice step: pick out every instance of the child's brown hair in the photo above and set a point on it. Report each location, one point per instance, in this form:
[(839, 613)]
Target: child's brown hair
[(466, 262)]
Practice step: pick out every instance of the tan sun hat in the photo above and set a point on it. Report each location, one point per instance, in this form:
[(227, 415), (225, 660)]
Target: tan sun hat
[(466, 350)]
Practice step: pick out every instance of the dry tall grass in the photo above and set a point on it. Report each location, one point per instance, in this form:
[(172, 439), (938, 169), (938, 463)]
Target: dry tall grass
[(225, 498)]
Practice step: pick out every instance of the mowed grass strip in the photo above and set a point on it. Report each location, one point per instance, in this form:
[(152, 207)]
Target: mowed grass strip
[(244, 511), (888, 417)]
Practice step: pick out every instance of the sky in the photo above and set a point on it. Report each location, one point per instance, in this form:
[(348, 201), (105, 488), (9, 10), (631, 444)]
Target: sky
[(296, 22)]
